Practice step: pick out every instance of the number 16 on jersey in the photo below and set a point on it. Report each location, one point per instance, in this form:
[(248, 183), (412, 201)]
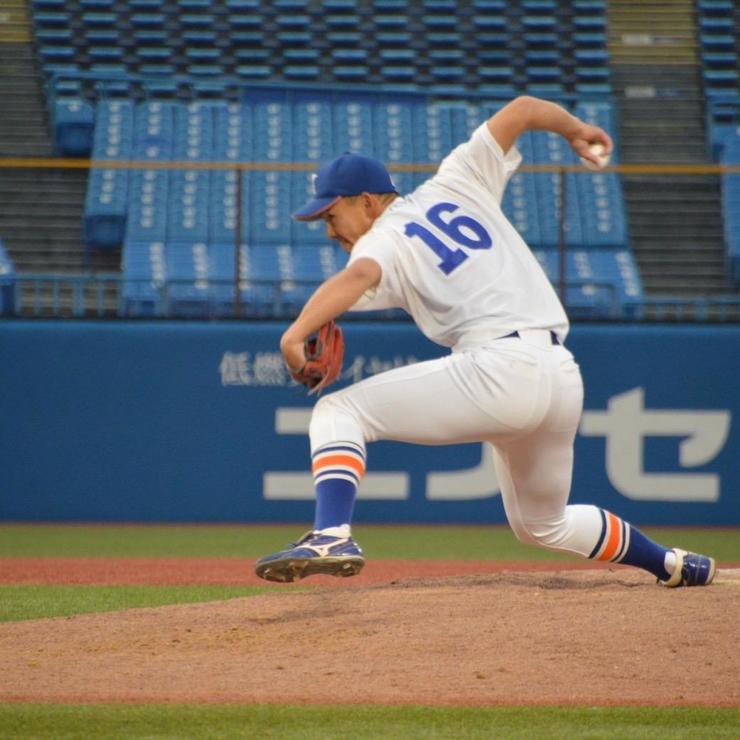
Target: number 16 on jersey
[(462, 230)]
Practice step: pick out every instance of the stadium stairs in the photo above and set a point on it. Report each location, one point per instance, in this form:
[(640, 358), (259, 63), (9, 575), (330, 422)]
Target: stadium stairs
[(40, 209), (675, 221)]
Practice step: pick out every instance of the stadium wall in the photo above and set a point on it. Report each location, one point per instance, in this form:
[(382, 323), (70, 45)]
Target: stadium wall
[(199, 422)]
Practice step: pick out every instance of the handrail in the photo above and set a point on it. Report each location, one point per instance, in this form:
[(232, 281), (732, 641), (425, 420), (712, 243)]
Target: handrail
[(147, 164), (41, 294)]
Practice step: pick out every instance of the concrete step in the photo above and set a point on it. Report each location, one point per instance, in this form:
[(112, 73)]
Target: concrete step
[(713, 263), (691, 128), (23, 110), (42, 191), (661, 274), (37, 202), (687, 288), (647, 154), (14, 137), (29, 149), (700, 201), (30, 178)]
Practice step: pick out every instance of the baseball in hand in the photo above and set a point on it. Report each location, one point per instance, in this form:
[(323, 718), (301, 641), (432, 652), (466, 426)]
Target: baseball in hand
[(598, 150)]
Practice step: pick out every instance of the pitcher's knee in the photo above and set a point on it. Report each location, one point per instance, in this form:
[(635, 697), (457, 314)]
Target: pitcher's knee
[(522, 533), (333, 419), (548, 534), (326, 409)]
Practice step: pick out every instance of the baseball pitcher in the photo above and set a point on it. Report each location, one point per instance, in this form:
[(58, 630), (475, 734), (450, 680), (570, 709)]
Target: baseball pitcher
[(448, 256)]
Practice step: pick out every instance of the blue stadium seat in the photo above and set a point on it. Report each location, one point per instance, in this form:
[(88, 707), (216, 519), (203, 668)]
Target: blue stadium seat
[(599, 284), (394, 132), (73, 127), (223, 211), (353, 127), (106, 201), (313, 137), (196, 20), (187, 288), (731, 204), (188, 212), (302, 72), (269, 222), (193, 132), (54, 35), (247, 21), (253, 71), (57, 53), (148, 206), (99, 20), (722, 122), (432, 137), (7, 282), (302, 56), (386, 22), (716, 7), (233, 132), (273, 131), (720, 82), (398, 73), (144, 273), (316, 263)]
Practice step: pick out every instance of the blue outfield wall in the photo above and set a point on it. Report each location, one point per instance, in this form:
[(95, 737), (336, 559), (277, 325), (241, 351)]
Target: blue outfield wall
[(199, 422)]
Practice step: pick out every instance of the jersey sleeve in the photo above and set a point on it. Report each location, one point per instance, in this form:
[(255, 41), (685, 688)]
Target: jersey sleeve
[(378, 245), (481, 160)]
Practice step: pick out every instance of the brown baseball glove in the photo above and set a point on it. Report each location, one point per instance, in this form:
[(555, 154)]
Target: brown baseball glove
[(324, 355)]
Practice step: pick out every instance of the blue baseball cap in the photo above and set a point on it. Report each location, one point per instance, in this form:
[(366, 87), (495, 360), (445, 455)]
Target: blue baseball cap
[(350, 174)]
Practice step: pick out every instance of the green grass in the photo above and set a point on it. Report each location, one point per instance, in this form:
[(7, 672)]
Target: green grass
[(363, 722), (439, 542), (18, 602)]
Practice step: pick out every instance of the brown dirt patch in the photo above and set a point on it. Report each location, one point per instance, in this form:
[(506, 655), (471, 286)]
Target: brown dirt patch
[(595, 637), (234, 571)]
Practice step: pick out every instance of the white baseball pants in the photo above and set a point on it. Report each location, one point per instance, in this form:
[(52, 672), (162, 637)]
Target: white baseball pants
[(523, 395)]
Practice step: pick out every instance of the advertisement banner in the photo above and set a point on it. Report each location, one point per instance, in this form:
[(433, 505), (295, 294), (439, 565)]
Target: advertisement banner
[(200, 422)]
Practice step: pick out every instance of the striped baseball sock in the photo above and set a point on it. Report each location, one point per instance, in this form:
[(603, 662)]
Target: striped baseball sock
[(620, 542), (337, 470)]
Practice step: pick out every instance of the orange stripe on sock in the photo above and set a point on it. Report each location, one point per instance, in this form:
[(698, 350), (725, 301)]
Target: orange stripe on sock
[(615, 538), (332, 460)]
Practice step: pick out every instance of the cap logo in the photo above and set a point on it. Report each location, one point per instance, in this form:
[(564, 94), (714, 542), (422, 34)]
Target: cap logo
[(314, 177)]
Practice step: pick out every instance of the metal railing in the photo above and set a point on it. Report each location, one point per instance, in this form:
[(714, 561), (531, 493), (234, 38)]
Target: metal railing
[(110, 295), (107, 295)]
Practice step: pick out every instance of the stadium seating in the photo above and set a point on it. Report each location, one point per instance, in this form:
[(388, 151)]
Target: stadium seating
[(106, 204), (180, 225), (602, 283), (731, 204), (199, 81), (719, 53), (561, 46), (719, 37), (722, 122), (72, 126), (7, 282)]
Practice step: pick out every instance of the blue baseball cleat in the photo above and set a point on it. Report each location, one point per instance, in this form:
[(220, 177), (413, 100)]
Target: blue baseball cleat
[(691, 570), (313, 554)]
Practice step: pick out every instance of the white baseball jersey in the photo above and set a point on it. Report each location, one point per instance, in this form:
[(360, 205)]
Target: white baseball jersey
[(453, 261)]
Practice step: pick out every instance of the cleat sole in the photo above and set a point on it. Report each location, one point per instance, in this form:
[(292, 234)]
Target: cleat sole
[(294, 569)]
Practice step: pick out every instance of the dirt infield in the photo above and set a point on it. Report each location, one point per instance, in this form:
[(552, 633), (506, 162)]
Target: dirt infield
[(420, 633), (235, 571)]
